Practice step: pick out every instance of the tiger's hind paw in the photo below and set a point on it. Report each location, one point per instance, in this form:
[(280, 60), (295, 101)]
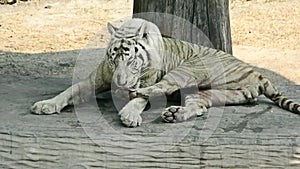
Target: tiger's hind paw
[(250, 93), (174, 114)]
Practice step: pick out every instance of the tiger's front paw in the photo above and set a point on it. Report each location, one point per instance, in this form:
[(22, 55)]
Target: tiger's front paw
[(50, 106), (131, 112), (130, 119)]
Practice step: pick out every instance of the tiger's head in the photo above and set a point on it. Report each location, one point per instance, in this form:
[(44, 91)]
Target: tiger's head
[(132, 49)]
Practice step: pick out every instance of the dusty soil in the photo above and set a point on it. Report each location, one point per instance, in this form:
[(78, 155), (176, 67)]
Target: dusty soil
[(264, 32)]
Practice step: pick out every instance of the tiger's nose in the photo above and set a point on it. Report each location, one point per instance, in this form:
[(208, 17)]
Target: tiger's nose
[(120, 81)]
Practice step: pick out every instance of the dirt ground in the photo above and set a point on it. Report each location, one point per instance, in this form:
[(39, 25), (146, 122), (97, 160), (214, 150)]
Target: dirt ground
[(265, 33)]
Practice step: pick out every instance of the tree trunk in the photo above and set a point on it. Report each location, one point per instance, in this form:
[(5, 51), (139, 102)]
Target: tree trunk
[(210, 16)]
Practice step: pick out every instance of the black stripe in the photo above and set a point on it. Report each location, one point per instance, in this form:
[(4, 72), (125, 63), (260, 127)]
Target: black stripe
[(295, 108), (170, 46), (266, 85), (288, 103), (275, 95), (232, 70), (261, 90), (128, 42), (175, 48), (141, 57), (282, 101), (181, 49), (143, 47), (276, 100), (176, 75), (227, 74), (119, 36), (244, 76), (235, 69), (132, 36), (189, 52)]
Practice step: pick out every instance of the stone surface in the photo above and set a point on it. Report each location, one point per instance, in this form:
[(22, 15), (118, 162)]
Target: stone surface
[(249, 136)]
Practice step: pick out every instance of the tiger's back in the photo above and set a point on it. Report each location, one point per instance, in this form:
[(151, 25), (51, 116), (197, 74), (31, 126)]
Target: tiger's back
[(223, 71)]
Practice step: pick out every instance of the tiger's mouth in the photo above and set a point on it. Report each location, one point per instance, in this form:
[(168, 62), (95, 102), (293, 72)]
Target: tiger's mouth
[(129, 86), (128, 91), (133, 86)]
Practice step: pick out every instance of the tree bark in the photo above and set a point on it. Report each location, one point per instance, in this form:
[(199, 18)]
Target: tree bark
[(210, 16)]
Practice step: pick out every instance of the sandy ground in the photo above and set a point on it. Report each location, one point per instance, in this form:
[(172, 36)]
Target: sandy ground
[(265, 33)]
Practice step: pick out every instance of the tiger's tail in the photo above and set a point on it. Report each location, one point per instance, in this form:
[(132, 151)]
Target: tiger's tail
[(275, 95)]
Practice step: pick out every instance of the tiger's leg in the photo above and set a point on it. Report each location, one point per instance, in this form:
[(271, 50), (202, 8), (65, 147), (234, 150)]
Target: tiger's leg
[(197, 104), (75, 94), (130, 114)]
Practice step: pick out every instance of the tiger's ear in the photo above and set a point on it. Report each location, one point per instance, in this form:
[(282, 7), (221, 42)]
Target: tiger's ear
[(111, 28), (142, 31)]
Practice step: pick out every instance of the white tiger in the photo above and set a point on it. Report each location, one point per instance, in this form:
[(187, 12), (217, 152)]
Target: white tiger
[(139, 60)]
